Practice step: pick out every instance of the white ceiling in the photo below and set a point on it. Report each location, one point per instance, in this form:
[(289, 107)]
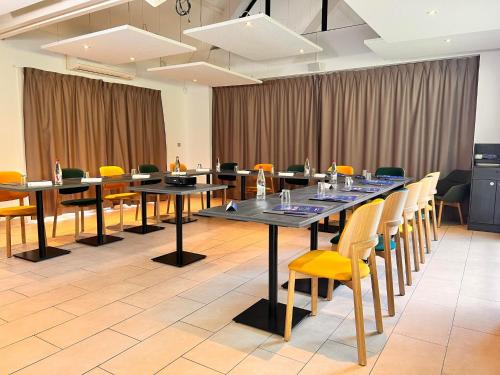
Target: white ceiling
[(8, 6), (204, 74), (256, 37), (119, 45)]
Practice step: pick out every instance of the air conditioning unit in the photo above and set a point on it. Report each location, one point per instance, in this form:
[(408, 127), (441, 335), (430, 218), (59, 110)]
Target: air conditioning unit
[(78, 65)]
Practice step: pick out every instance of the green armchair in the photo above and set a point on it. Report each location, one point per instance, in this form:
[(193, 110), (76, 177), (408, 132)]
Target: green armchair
[(452, 191)]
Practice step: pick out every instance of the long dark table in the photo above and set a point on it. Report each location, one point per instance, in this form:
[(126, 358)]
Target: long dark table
[(178, 258), (268, 314)]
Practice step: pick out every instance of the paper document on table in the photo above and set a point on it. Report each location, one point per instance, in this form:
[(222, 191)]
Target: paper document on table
[(39, 183), (91, 179), (140, 176)]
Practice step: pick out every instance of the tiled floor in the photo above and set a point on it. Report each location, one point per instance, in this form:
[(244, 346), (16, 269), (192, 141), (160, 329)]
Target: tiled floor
[(111, 310)]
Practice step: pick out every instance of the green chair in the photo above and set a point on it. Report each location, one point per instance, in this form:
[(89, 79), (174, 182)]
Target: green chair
[(452, 191), (78, 203), (390, 171), (228, 167), (147, 169), (296, 181)]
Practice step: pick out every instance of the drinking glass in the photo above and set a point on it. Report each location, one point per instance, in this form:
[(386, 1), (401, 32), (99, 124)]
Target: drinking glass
[(24, 180), (364, 172), (348, 183), (236, 168), (286, 200), (321, 189), (368, 176), (87, 174), (199, 166), (133, 171)]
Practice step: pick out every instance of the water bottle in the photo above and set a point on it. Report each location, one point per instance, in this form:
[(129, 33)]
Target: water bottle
[(177, 167), (261, 185), (217, 165), (333, 174), (58, 174), (307, 168)]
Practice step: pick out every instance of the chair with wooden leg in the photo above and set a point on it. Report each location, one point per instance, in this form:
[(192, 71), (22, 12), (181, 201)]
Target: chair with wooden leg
[(348, 266), (151, 168), (389, 227), (452, 191), (183, 168), (409, 226), (12, 212), (121, 195), (423, 217), (432, 193), (78, 204), (251, 186)]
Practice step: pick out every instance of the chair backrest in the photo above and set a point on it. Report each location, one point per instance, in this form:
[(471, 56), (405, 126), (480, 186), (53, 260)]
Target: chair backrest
[(265, 167), (229, 166), (435, 179), (112, 171), (393, 211), (148, 168), (390, 171), (296, 168), (9, 178), (72, 173), (411, 205), (425, 191), (361, 227), (183, 167), (344, 169), (456, 177), (296, 181)]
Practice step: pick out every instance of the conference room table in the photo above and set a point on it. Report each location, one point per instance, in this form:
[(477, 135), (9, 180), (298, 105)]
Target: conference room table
[(268, 314), (179, 257)]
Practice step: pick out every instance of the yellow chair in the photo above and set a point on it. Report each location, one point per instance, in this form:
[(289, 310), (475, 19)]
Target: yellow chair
[(252, 180), (389, 226), (344, 169), (410, 226), (423, 212), (183, 168), (15, 211), (356, 244), (114, 171), (433, 191)]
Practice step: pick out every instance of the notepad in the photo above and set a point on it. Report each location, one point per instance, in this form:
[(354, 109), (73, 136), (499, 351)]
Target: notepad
[(377, 182), (39, 183), (140, 176), (179, 173), (243, 172), (286, 174), (91, 179), (366, 189), (299, 208), (335, 198), (320, 175), (202, 169)]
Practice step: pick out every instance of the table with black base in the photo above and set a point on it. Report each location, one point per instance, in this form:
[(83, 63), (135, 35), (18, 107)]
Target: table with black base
[(269, 314), (180, 257), (144, 228)]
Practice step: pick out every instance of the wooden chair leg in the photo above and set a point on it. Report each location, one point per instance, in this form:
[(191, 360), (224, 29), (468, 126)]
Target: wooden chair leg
[(375, 292), (8, 235), (460, 214), (329, 291), (56, 213), (103, 223), (388, 274), (358, 312), (189, 206), (137, 207), (77, 223), (224, 197), (441, 204), (414, 245), (82, 220), (427, 230), (158, 204), (121, 215), (314, 296), (399, 264), (289, 306), (168, 204), (202, 201), (434, 221), (406, 249), (421, 236)]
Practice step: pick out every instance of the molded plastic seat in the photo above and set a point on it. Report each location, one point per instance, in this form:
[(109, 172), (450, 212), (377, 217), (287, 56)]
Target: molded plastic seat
[(344, 169), (117, 196), (79, 202), (18, 211), (390, 171)]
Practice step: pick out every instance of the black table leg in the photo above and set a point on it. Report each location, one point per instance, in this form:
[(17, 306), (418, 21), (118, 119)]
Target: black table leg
[(304, 285), (326, 227), (144, 228), (43, 252), (282, 184), (269, 315), (243, 188), (101, 238), (342, 219), (179, 258), (208, 192)]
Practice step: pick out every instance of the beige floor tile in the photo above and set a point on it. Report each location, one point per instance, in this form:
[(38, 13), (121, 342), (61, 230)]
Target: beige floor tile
[(437, 291), (33, 324), (227, 347), (337, 359), (39, 302), (15, 280), (97, 371), (102, 279), (156, 352), (158, 293), (405, 355), (208, 270), (426, 321), (263, 362), (82, 357), (184, 366), (9, 296), (472, 352), (155, 319), (89, 324), (220, 312), (94, 300), (45, 285), (478, 314), (214, 288), (24, 353), (157, 275)]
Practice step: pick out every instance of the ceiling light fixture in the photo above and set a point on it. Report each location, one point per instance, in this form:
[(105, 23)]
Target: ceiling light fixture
[(248, 24), (432, 12), (132, 59), (447, 40), (301, 50), (85, 46)]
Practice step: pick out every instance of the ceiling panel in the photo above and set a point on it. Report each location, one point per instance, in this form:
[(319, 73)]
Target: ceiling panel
[(204, 74), (119, 45), (8, 6), (256, 37)]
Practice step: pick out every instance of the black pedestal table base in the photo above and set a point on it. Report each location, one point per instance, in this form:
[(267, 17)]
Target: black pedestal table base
[(94, 240), (37, 256), (144, 230), (185, 220), (172, 258), (259, 316)]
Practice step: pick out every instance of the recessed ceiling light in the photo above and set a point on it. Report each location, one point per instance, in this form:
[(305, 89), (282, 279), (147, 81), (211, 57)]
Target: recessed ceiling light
[(447, 40), (301, 50), (85, 46), (249, 24), (132, 59), (432, 12), (195, 80)]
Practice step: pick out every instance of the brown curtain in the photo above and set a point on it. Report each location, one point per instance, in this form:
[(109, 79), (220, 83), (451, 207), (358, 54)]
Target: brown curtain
[(418, 116), (87, 123)]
